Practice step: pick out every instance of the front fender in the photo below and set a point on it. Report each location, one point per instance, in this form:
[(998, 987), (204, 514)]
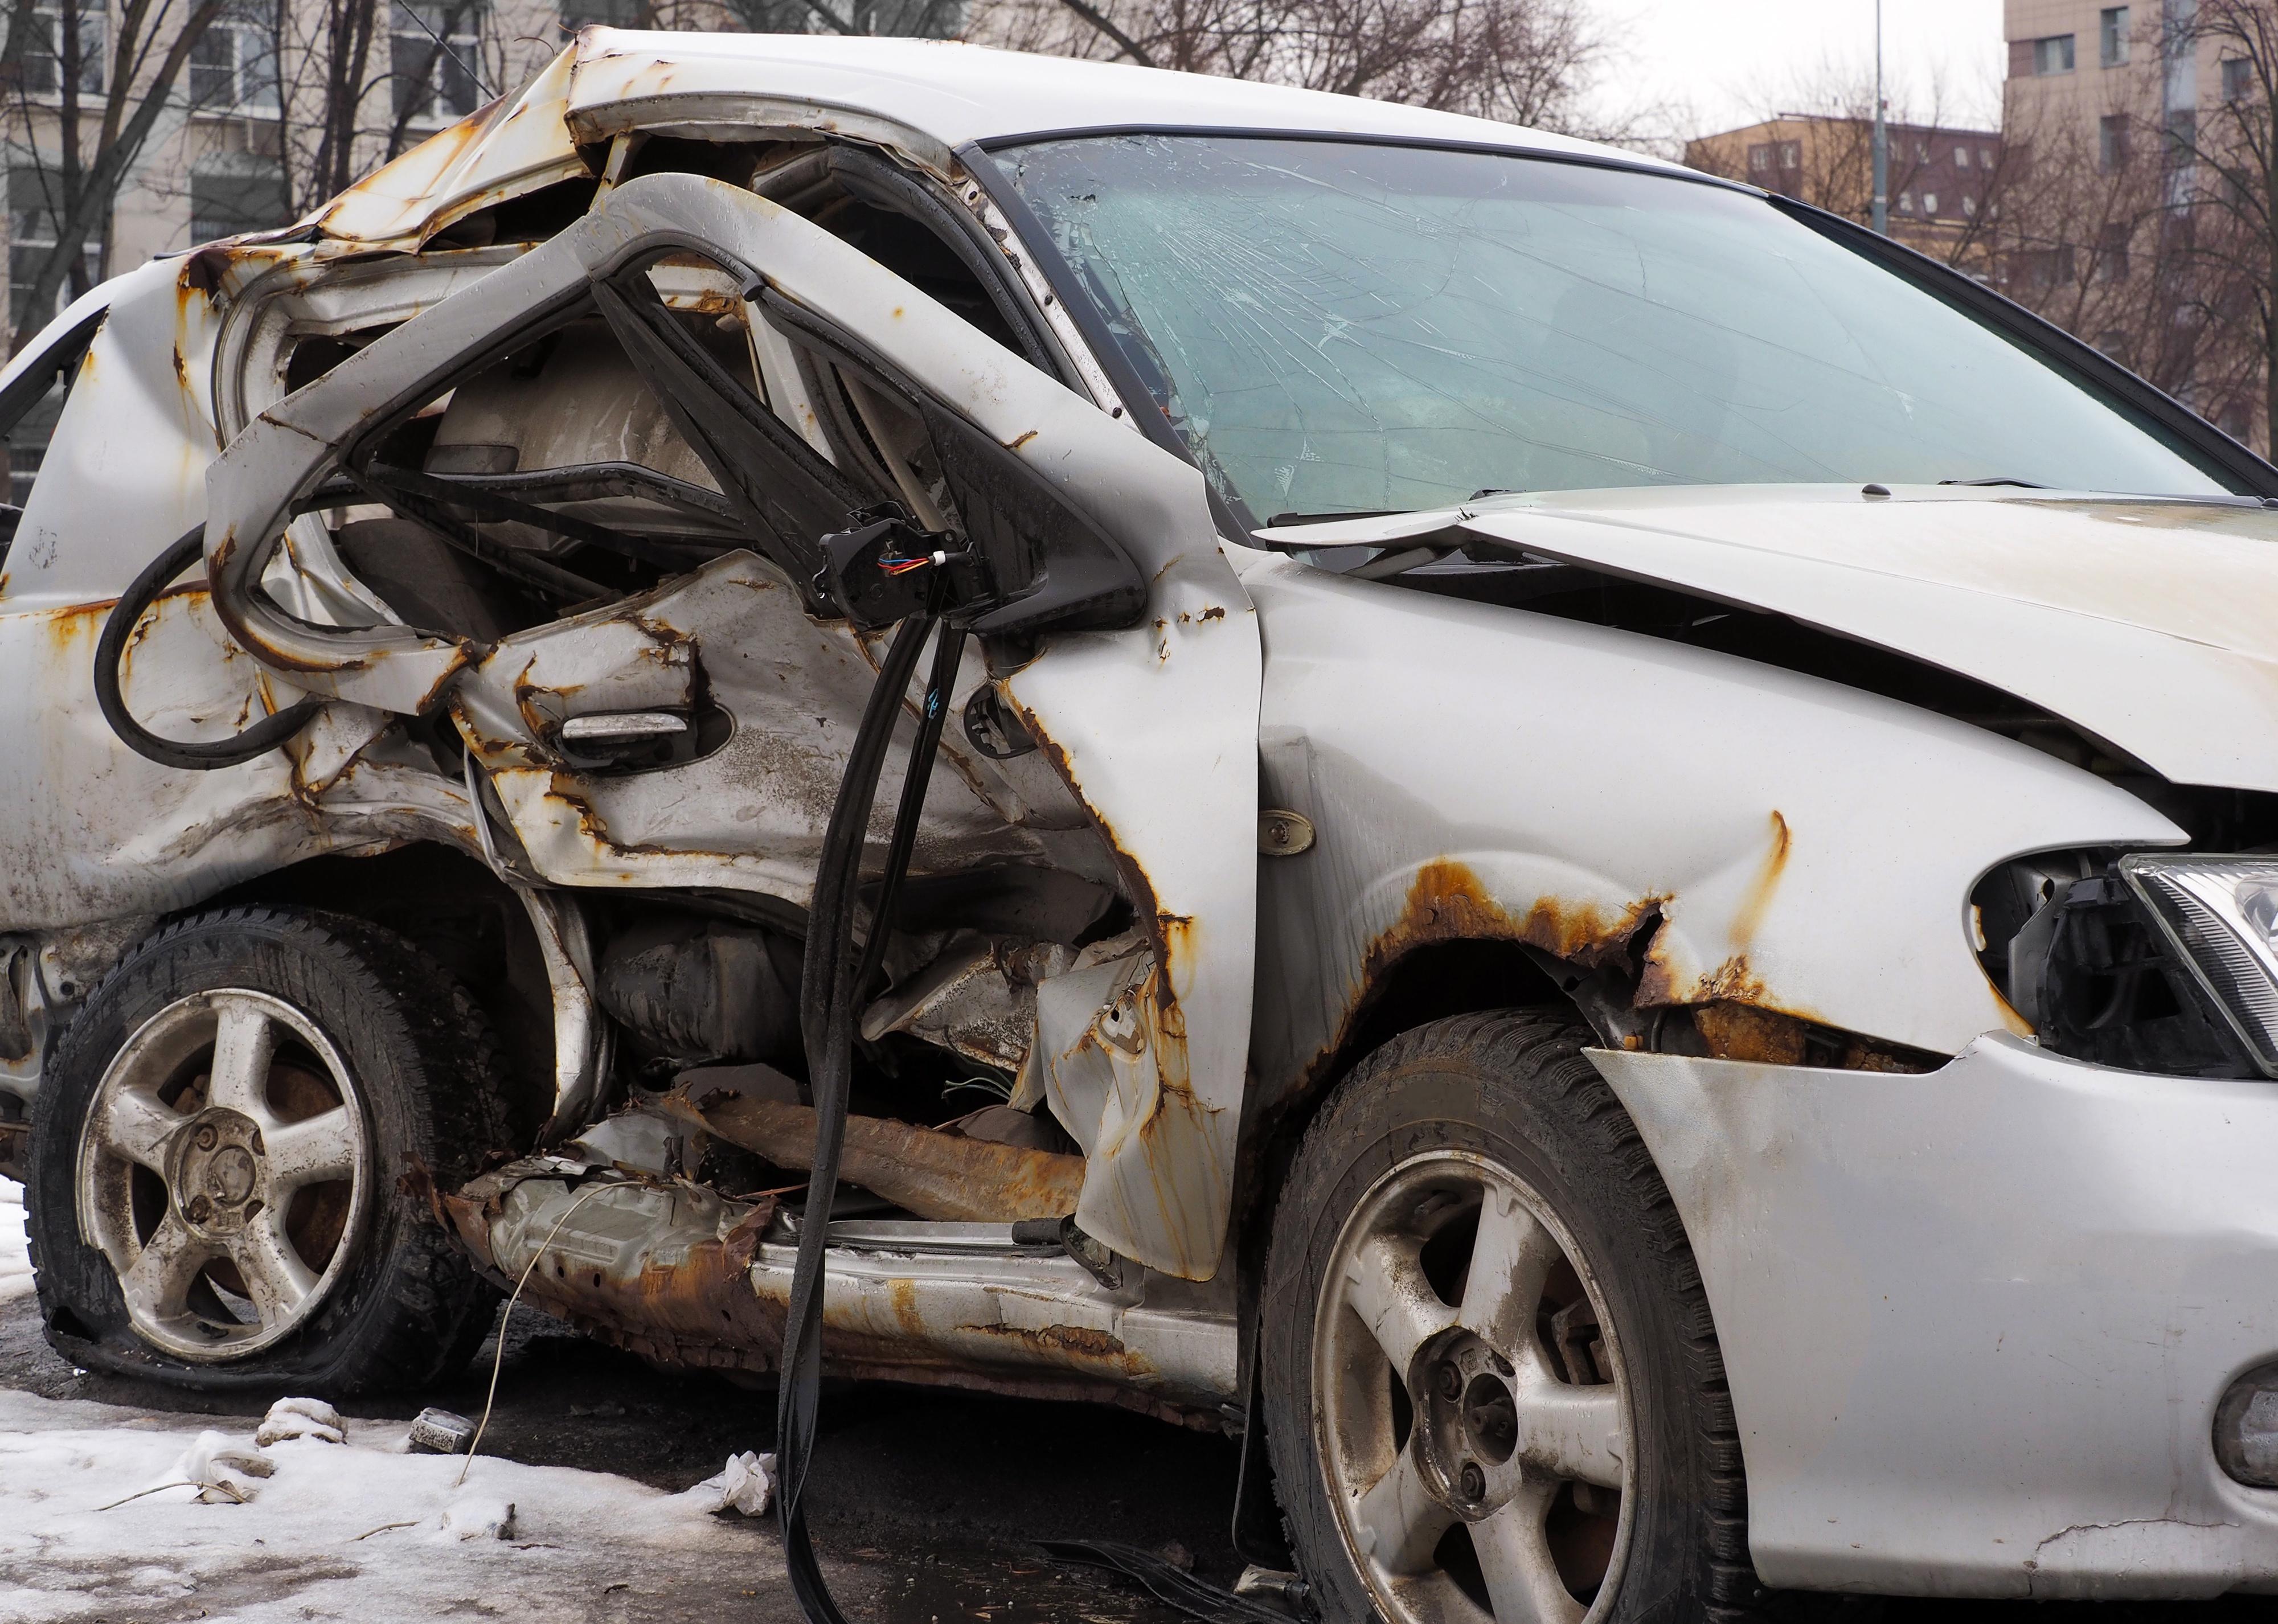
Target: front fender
[(1473, 771)]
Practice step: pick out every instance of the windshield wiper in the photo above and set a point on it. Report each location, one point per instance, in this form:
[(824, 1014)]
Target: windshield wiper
[(1281, 519), (1997, 479)]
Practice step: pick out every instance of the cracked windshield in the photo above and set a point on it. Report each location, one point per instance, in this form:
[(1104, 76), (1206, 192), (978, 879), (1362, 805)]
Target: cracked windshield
[(1338, 329)]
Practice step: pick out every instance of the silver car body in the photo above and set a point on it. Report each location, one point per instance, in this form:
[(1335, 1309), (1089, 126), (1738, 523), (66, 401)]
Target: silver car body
[(1976, 1320)]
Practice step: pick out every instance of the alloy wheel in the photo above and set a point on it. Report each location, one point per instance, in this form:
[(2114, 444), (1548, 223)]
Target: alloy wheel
[(1473, 1419), (224, 1171)]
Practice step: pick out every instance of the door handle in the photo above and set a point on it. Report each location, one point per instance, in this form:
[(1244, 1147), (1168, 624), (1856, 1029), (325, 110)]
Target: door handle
[(621, 738)]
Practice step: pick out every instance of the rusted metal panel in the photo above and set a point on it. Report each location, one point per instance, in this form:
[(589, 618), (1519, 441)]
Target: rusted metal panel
[(681, 1275)]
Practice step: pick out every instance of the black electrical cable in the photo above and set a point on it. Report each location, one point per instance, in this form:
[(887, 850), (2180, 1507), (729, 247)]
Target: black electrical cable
[(832, 984), (110, 652)]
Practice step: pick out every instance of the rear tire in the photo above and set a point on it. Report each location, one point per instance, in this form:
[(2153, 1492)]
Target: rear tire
[(231, 1156), (1491, 1384)]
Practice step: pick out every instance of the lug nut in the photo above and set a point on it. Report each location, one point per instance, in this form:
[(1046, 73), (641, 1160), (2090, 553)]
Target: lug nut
[(199, 1211), (1451, 1380), (1473, 1481), (206, 1137)]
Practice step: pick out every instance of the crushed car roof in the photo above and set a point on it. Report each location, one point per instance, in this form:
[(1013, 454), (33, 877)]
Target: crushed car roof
[(923, 98)]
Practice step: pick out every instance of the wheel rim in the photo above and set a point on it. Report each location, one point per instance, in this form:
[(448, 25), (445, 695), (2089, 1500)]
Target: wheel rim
[(224, 1171), (1472, 1414)]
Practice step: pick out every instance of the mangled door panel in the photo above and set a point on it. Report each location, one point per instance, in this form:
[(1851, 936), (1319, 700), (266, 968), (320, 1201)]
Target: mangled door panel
[(670, 702)]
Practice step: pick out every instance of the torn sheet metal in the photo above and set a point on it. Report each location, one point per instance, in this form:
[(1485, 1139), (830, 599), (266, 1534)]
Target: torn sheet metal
[(509, 146), (1152, 730)]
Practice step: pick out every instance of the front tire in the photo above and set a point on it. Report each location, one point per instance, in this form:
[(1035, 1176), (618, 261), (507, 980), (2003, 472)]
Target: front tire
[(1491, 1384), (229, 1159)]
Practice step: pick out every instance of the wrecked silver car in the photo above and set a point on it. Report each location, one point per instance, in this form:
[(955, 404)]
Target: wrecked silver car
[(1579, 846)]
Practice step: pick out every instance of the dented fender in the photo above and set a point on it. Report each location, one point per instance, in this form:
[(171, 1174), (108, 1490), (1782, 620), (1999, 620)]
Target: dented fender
[(1770, 839)]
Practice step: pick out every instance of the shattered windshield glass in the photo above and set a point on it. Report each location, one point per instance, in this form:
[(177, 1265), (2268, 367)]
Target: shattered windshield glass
[(1343, 328)]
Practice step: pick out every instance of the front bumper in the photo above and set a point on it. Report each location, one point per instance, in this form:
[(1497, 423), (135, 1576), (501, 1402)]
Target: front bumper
[(1976, 1322)]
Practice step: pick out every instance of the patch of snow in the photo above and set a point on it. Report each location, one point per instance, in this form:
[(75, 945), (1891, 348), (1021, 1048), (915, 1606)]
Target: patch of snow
[(300, 1418), (15, 1245), (359, 1530)]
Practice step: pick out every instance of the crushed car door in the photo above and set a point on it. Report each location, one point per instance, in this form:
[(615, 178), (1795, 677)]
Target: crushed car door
[(593, 488)]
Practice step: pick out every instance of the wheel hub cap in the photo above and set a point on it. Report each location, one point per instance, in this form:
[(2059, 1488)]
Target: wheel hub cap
[(218, 1171), (1466, 1424)]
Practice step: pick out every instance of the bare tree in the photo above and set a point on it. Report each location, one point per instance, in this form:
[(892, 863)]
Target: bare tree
[(1527, 61), (96, 83), (2221, 199)]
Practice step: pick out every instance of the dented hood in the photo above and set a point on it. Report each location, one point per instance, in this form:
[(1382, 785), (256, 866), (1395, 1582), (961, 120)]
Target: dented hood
[(2150, 623)]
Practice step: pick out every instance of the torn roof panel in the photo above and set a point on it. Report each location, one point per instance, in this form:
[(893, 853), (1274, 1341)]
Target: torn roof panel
[(514, 145), (923, 98)]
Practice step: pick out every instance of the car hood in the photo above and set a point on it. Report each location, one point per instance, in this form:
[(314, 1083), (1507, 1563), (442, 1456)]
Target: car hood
[(2150, 623)]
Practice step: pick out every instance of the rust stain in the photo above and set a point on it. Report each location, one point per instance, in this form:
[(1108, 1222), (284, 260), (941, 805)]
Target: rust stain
[(1743, 1032), (1751, 913), (1447, 902), (934, 1175), (1214, 612), (1079, 1343), (700, 1311), (1024, 440), (903, 1294)]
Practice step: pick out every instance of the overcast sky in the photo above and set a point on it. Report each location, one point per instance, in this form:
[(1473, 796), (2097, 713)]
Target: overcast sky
[(1732, 60)]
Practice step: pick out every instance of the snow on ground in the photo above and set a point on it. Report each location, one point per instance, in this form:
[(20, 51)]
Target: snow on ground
[(15, 1262), (314, 1541)]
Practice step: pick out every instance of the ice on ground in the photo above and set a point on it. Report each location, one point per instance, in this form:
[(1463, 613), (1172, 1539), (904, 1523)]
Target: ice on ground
[(15, 1248), (358, 1531)]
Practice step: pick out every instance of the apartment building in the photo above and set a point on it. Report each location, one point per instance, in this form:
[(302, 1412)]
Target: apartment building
[(1941, 179), (2119, 105), (2098, 69)]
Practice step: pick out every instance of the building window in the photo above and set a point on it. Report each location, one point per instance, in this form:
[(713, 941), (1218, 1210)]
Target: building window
[(1929, 203), (234, 192), (2238, 79), (1985, 158), (1906, 203), (40, 70), (2112, 36), (2052, 55), (1760, 158), (2112, 253), (2112, 143), (234, 64), (433, 65), (1790, 155), (1962, 158), (1922, 152), (1969, 206)]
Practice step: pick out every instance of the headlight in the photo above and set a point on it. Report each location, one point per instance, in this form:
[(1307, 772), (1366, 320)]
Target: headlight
[(2222, 913)]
